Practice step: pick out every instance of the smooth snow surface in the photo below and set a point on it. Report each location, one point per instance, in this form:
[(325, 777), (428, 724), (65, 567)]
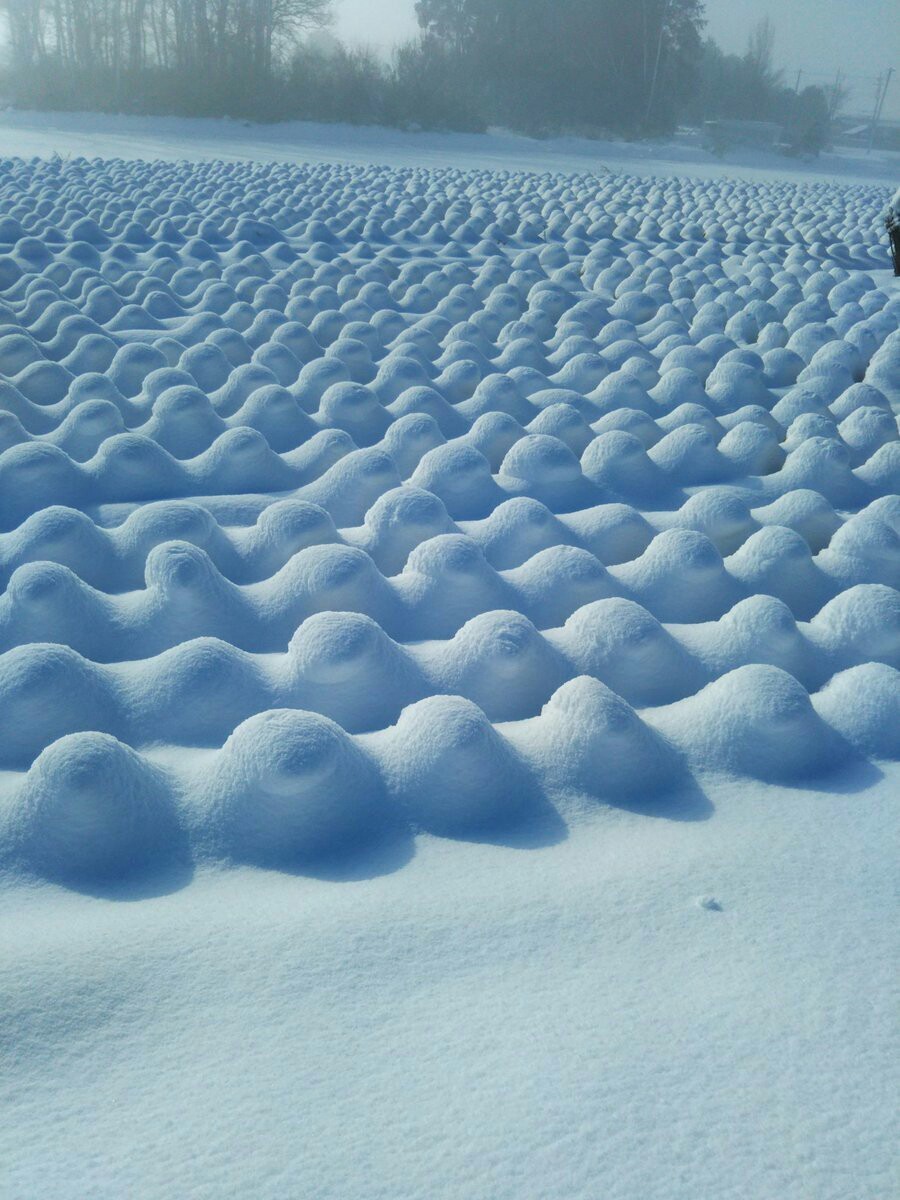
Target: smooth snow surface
[(457, 610), (108, 135)]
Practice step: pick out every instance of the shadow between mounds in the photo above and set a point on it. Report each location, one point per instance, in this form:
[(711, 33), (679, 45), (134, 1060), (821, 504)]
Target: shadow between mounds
[(358, 862), (537, 828), (851, 776), (517, 814), (685, 800), (834, 766), (150, 884)]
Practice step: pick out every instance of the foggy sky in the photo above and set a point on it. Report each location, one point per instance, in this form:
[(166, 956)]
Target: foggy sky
[(862, 37)]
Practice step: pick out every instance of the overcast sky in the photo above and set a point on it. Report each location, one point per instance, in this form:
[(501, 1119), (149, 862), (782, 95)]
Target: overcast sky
[(862, 37)]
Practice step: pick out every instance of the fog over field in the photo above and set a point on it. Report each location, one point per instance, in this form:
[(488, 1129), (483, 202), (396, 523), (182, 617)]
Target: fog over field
[(858, 39)]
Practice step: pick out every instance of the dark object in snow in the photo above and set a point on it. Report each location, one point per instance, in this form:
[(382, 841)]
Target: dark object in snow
[(722, 135), (892, 224)]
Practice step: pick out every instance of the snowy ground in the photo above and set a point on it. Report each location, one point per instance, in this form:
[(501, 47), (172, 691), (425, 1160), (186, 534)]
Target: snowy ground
[(448, 691), (173, 138), (553, 1024)]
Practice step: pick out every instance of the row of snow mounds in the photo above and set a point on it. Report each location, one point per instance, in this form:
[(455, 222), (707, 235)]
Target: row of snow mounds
[(344, 665), (562, 455), (134, 204), (554, 335), (655, 366), (447, 580), (848, 549), (329, 470), (293, 789), (209, 307), (338, 503)]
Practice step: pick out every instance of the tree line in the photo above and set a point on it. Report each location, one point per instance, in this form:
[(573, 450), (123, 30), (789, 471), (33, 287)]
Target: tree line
[(189, 56), (630, 67)]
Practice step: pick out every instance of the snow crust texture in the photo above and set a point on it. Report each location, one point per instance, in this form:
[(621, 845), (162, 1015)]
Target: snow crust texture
[(338, 503)]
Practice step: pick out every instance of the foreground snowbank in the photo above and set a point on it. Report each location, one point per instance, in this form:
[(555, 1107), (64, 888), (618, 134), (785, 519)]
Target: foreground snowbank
[(655, 1008)]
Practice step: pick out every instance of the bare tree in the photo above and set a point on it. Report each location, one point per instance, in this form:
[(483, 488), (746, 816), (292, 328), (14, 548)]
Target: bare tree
[(760, 54), (129, 35)]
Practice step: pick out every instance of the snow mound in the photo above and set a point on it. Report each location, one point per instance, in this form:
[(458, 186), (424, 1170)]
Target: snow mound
[(92, 811), (290, 787)]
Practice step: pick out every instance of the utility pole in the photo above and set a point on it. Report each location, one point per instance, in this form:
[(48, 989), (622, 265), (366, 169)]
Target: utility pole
[(835, 97), (797, 84), (878, 84), (881, 92), (659, 45), (887, 81)]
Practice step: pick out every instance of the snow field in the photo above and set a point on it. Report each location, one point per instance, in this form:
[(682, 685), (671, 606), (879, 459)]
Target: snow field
[(341, 503)]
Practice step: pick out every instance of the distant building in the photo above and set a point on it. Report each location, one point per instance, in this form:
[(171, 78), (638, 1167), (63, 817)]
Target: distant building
[(855, 131)]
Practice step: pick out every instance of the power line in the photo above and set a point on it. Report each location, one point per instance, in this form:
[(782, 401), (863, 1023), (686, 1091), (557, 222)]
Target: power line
[(846, 74)]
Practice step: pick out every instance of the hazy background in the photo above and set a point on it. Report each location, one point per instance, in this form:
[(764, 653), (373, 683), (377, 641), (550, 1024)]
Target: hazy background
[(797, 77), (820, 37)]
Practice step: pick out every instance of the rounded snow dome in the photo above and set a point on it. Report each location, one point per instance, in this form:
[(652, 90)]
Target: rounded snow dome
[(93, 812), (293, 788)]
